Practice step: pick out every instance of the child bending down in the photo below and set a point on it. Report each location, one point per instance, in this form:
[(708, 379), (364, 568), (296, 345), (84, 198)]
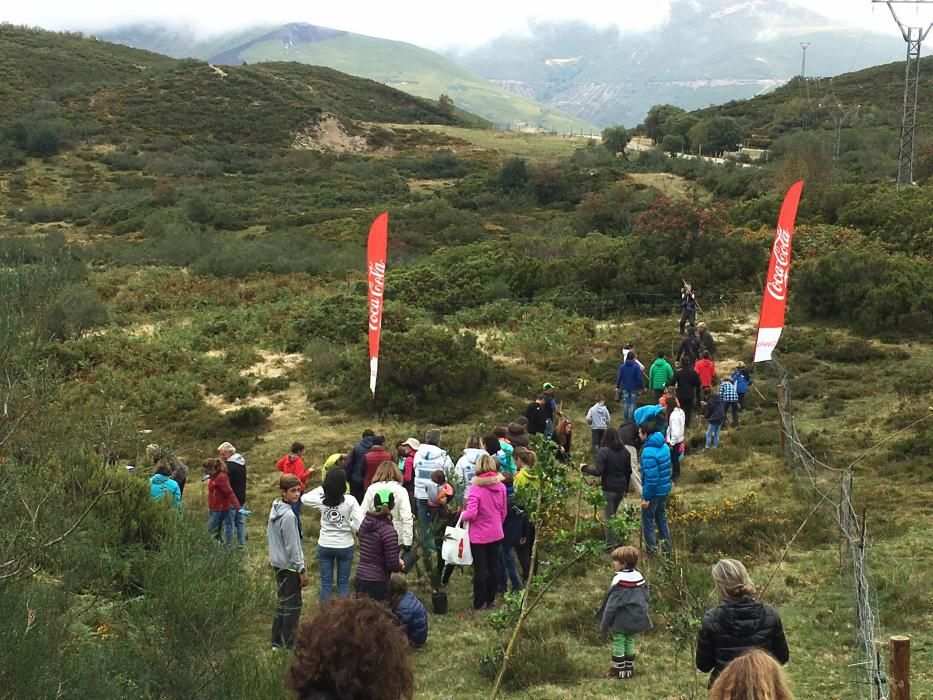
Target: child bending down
[(409, 611), (624, 611)]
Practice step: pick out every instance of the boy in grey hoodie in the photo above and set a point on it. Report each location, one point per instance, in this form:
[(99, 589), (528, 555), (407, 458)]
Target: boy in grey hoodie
[(598, 419), (287, 560)]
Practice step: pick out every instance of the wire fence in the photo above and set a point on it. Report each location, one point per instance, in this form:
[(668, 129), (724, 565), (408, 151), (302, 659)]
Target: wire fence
[(832, 485)]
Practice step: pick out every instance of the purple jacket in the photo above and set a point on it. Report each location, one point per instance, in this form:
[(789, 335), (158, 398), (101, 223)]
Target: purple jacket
[(379, 551), (486, 509)]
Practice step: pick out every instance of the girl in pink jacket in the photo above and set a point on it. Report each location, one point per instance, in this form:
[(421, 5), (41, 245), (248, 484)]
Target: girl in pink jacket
[(485, 511)]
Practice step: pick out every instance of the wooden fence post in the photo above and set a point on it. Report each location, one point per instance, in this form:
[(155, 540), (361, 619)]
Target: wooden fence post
[(900, 668)]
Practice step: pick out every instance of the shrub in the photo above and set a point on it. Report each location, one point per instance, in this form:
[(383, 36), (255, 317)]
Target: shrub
[(249, 416), (75, 311)]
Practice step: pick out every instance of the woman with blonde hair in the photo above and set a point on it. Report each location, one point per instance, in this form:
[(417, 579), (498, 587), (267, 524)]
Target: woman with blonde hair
[(388, 477), (739, 623), (753, 676)]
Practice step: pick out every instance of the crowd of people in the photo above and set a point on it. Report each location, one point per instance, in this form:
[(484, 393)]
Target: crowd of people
[(370, 500)]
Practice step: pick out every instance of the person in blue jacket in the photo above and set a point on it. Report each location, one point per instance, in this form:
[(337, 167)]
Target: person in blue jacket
[(742, 380), (630, 381), (410, 611), (162, 485), (655, 486)]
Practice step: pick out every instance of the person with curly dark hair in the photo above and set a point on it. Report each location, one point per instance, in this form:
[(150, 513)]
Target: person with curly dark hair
[(351, 649)]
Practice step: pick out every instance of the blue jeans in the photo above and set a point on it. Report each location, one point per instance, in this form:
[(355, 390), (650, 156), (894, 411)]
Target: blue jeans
[(221, 520), (712, 434), (507, 554), (343, 558), (654, 515), (629, 404), (239, 523)]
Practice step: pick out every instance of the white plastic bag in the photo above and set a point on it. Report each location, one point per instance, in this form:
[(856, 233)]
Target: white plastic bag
[(456, 547)]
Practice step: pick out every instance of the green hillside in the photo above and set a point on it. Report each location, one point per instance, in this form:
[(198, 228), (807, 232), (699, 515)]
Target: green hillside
[(35, 64), (407, 67)]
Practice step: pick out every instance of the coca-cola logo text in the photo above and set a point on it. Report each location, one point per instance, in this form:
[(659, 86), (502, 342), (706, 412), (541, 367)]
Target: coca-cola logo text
[(780, 265), (377, 283)]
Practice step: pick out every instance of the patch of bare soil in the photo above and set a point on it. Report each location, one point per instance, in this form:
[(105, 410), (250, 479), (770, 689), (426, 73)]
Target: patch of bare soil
[(328, 135), (272, 364)]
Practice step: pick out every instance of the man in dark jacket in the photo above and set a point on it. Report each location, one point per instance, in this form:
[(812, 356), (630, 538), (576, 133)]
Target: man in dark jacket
[(689, 347), (688, 306), (687, 382), (536, 415), (356, 466), (706, 340), (236, 472), (630, 380)]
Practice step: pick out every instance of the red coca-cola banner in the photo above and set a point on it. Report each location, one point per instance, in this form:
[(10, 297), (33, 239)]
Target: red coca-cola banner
[(376, 264), (774, 301)]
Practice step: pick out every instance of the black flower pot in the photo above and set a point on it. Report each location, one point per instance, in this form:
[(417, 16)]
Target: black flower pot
[(439, 602)]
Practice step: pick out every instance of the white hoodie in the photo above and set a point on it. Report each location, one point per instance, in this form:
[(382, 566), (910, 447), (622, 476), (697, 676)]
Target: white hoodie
[(338, 523), (402, 518), (466, 468), (429, 458), (675, 426)]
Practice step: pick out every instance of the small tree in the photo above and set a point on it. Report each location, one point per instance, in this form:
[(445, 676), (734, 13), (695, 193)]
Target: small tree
[(445, 104), (673, 144), (513, 175), (616, 138), (658, 119)]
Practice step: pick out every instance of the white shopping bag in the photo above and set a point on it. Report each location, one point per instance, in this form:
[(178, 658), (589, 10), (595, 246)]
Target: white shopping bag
[(456, 548)]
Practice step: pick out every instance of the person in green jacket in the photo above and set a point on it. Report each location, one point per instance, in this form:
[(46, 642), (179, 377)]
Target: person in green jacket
[(659, 375)]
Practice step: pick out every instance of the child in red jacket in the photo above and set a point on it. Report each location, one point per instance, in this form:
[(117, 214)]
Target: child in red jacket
[(221, 501)]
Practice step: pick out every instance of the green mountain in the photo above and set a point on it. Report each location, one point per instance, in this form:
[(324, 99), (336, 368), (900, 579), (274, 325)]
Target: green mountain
[(404, 66), (710, 52), (40, 65)]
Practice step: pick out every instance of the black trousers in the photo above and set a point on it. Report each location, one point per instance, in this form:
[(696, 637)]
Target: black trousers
[(485, 567), (675, 461), (288, 607), (687, 407), (357, 490), (377, 590)]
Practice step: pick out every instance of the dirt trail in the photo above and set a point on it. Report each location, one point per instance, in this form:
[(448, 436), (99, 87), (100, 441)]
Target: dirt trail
[(217, 70)]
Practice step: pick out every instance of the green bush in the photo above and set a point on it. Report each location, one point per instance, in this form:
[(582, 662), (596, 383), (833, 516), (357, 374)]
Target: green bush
[(75, 311), (249, 416)]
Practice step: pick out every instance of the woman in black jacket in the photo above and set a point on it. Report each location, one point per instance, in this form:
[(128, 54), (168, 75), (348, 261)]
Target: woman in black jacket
[(614, 469), (738, 623)]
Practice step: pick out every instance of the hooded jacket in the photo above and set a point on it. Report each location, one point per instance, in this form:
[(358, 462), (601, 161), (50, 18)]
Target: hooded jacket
[(614, 467), (161, 486), (516, 525), (660, 374), (379, 550), (236, 470), (707, 371), (598, 416), (486, 509), (429, 458), (688, 386), (294, 464), (402, 518), (537, 418), (284, 538), (220, 496), (742, 379), (625, 606), (715, 409), (413, 617), (655, 468), (355, 459), (630, 377), (466, 469), (735, 626), (689, 349)]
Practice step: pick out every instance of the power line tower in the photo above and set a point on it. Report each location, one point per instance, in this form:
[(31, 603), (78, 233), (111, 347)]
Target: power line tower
[(914, 37)]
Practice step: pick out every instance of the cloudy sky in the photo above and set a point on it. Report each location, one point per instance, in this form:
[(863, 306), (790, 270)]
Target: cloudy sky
[(431, 23)]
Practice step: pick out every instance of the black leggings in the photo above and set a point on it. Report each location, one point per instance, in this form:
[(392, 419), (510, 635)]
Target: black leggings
[(485, 568)]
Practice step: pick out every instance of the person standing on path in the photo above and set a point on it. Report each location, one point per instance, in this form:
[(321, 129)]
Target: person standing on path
[(659, 375), (341, 516), (706, 369), (687, 383), (380, 555), (730, 399), (537, 416), (715, 413), (689, 348), (614, 469), (688, 306), (389, 478), (428, 458), (706, 340), (676, 421), (236, 471), (656, 486), (486, 510), (287, 560), (630, 381), (221, 501), (551, 410), (598, 419), (742, 379)]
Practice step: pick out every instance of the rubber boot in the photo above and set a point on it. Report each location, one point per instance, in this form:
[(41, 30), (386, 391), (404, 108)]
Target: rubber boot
[(629, 666), (617, 668)]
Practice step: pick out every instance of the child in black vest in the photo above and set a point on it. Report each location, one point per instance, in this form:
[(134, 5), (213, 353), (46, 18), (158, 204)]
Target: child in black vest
[(624, 611)]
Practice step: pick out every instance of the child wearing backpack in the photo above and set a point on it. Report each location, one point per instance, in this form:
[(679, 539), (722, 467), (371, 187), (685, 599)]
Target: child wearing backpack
[(410, 611), (624, 611)]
